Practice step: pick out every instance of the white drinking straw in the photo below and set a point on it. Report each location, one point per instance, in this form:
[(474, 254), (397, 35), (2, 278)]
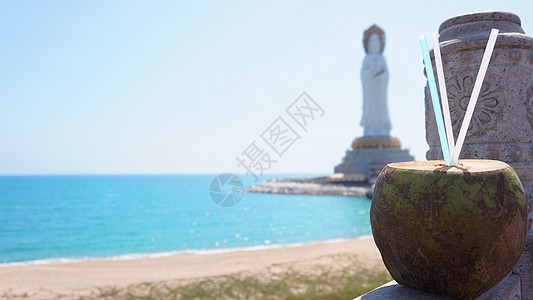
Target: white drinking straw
[(475, 94), (443, 95)]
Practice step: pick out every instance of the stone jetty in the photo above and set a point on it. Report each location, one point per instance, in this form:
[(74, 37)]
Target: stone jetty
[(308, 186)]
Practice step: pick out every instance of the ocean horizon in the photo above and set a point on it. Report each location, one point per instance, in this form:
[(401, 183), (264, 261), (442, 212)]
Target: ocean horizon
[(62, 218)]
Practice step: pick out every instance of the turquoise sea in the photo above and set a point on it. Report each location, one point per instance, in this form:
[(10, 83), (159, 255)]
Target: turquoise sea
[(62, 218)]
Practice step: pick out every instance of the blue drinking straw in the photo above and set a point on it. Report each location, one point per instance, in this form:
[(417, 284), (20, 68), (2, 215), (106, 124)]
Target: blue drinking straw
[(435, 100)]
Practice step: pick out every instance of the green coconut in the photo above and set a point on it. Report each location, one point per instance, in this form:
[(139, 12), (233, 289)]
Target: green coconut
[(451, 231)]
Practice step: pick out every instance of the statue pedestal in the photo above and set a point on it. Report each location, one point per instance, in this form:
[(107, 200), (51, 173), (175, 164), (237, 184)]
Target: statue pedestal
[(371, 154)]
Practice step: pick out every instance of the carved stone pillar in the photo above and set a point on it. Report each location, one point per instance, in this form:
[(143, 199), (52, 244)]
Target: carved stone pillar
[(502, 124)]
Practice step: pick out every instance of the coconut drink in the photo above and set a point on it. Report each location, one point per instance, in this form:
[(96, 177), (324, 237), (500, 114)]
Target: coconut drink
[(454, 227), (452, 231)]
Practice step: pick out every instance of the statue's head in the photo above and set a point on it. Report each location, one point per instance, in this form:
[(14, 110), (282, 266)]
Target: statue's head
[(374, 39)]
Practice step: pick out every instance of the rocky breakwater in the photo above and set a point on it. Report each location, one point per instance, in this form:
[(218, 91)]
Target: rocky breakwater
[(307, 186)]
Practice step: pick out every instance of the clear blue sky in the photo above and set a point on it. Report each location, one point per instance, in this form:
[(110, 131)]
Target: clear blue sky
[(98, 87)]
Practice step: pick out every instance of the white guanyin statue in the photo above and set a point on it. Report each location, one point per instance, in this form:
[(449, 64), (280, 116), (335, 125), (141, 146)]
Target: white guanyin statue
[(375, 78)]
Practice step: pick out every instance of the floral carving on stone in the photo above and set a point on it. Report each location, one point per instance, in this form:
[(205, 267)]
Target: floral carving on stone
[(488, 106)]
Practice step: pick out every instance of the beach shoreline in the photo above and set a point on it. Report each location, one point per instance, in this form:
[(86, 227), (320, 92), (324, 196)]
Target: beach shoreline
[(134, 256), (85, 276)]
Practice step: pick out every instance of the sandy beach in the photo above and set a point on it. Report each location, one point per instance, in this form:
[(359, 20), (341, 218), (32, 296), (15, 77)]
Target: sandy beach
[(72, 279)]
